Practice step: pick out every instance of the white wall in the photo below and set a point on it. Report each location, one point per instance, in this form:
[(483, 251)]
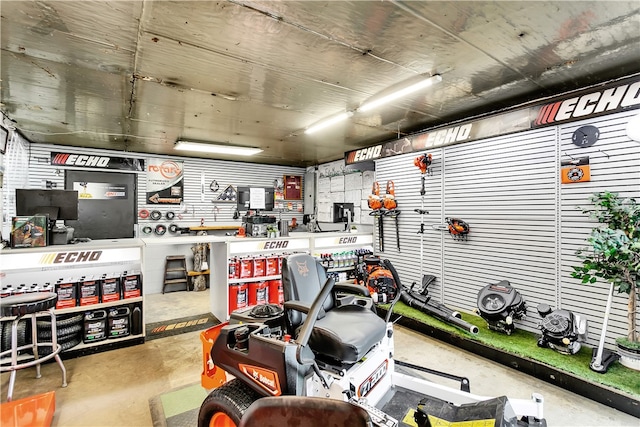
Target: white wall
[(525, 225), (37, 162)]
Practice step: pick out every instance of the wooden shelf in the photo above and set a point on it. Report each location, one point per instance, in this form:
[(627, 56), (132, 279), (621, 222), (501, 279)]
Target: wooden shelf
[(198, 273), (255, 279), (214, 227), (124, 301)]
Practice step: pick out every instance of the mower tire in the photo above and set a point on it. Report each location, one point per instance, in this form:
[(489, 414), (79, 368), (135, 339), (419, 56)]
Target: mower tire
[(225, 405)]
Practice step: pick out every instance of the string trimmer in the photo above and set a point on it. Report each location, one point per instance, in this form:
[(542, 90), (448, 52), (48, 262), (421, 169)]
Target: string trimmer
[(423, 162)]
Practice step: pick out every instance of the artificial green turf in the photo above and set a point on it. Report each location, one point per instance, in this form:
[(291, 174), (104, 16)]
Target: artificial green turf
[(524, 344)]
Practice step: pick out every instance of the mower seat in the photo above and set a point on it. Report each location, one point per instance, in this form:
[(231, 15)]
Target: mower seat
[(344, 333)]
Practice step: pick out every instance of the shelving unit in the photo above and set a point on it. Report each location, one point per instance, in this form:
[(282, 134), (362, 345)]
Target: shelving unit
[(47, 265), (229, 248)]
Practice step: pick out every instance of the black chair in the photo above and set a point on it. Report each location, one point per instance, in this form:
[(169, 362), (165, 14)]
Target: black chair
[(342, 332)]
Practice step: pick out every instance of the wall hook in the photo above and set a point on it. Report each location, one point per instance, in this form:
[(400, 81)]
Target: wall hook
[(604, 153)]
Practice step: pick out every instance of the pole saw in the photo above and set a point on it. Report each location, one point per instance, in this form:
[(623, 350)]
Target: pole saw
[(424, 163)]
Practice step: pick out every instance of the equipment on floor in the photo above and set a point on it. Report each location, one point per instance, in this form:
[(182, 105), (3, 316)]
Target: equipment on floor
[(419, 299), (314, 355), (377, 278), (562, 330), (602, 358), (499, 305), (423, 162)]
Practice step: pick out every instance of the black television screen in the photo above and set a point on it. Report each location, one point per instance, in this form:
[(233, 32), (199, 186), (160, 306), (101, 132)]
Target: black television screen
[(340, 212), (59, 204), (244, 196)]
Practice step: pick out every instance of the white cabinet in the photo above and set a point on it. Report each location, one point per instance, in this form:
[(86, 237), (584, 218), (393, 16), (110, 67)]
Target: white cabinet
[(114, 265)]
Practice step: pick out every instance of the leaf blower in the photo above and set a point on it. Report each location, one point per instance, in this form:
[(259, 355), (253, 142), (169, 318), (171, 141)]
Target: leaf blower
[(378, 279)]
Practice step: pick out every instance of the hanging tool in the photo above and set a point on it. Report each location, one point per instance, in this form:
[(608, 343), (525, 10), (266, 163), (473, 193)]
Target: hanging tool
[(395, 214), (424, 163), (389, 202), (375, 202), (202, 179), (458, 229)]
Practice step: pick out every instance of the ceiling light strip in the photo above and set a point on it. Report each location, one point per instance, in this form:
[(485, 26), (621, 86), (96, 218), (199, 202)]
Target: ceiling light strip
[(399, 94), (328, 122), (216, 148)]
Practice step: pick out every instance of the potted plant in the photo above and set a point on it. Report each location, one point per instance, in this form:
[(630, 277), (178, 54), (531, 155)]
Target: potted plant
[(614, 256)]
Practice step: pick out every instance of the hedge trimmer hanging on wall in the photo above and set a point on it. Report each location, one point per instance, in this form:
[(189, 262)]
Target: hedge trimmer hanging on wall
[(385, 205)]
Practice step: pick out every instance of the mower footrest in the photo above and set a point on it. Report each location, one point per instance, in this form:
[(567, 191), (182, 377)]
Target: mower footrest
[(378, 417)]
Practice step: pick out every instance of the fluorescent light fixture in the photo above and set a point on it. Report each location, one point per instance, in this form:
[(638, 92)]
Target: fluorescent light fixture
[(328, 122), (399, 94), (216, 148)]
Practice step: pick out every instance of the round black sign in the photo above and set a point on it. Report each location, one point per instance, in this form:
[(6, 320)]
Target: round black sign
[(585, 136)]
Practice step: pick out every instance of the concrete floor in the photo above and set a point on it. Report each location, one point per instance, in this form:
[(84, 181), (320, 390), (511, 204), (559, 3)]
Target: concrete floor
[(113, 388)]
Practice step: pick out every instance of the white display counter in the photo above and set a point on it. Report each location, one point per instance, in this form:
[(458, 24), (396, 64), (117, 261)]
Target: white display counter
[(223, 248)]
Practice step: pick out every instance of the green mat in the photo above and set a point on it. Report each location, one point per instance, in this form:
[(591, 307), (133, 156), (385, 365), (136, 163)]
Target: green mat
[(178, 407)]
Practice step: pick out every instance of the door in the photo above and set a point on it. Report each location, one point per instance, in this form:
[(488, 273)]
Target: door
[(106, 204)]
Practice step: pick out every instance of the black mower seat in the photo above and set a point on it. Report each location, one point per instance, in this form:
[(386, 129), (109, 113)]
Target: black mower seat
[(342, 332)]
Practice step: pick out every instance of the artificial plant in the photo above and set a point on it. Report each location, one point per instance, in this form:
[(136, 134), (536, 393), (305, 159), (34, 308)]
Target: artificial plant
[(614, 252)]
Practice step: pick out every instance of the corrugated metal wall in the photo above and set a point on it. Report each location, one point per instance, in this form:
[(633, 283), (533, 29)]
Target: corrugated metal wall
[(525, 226), (224, 172), (615, 166)]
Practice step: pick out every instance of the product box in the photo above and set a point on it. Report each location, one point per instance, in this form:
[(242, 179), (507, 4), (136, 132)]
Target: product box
[(238, 296), (110, 288), (29, 231), (131, 284), (67, 293), (259, 266), (246, 268), (89, 291), (272, 266), (259, 293), (276, 293)]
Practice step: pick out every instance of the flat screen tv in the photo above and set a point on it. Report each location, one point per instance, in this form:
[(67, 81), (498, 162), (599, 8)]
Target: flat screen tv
[(244, 197), (59, 204), (342, 212)]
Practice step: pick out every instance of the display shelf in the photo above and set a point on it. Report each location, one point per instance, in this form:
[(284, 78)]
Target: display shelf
[(213, 227), (198, 273), (73, 264), (99, 306), (235, 247), (337, 269), (78, 348), (84, 346), (254, 279)]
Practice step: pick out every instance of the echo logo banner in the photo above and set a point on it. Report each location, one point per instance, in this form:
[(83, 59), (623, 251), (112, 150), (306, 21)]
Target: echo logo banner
[(579, 107), (96, 162), (70, 257)]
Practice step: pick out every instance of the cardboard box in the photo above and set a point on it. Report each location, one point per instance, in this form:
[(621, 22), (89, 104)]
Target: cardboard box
[(29, 231)]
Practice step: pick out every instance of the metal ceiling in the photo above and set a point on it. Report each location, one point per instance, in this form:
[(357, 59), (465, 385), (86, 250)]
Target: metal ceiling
[(138, 75)]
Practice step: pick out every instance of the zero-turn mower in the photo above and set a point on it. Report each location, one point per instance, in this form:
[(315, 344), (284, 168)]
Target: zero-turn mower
[(327, 341)]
